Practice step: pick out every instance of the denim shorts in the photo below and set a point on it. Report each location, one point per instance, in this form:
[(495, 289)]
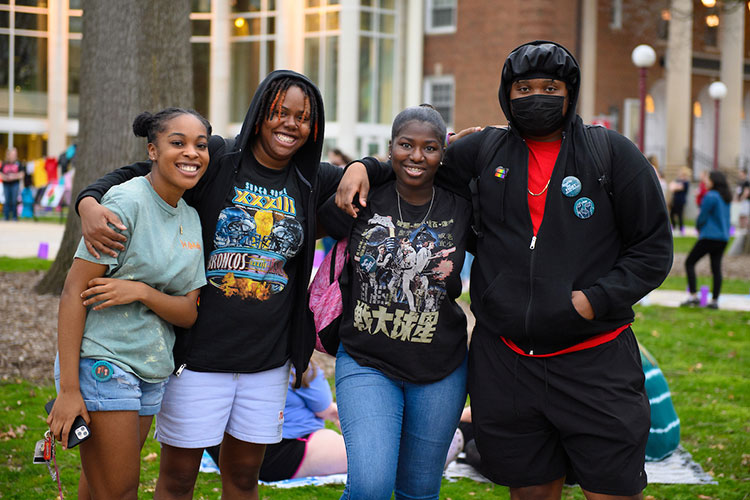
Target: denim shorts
[(123, 392)]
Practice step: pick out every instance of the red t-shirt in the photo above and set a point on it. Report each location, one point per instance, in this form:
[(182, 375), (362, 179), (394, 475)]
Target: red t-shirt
[(542, 158)]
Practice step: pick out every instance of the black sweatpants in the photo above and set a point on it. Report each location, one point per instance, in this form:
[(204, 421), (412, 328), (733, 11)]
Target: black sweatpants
[(715, 249)]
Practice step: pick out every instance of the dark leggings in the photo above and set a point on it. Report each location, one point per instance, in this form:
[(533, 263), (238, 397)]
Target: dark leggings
[(675, 214), (715, 249)]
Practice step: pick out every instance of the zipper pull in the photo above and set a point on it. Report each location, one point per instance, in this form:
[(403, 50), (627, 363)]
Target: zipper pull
[(178, 372), (533, 242)]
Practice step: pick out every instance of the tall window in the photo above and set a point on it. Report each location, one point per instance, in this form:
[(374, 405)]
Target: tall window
[(200, 45), (321, 49), (75, 26), (252, 49), (23, 60), (377, 60), (615, 15), (440, 16), (440, 92)]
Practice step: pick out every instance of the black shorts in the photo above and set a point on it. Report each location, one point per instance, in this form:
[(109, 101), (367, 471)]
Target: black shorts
[(583, 415), (281, 461)]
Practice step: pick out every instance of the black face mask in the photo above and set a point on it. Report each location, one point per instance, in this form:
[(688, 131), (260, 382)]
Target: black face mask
[(538, 115)]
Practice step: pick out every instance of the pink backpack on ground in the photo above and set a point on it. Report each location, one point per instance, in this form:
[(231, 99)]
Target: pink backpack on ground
[(327, 297)]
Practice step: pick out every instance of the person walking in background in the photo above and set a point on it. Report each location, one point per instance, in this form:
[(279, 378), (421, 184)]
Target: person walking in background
[(702, 189), (27, 199), (743, 199), (713, 234), (654, 161), (11, 174), (679, 188)]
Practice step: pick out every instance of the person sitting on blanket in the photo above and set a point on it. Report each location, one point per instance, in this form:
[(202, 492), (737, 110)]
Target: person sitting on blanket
[(307, 448)]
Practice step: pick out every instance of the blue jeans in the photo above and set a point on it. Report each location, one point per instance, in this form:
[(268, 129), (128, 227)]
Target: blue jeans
[(10, 190), (397, 433)]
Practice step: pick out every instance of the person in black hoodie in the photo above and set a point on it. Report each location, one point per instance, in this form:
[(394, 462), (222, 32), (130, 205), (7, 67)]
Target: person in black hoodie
[(555, 379), (257, 204)]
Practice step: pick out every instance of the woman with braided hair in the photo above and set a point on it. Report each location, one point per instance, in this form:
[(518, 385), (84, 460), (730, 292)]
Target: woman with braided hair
[(257, 205)]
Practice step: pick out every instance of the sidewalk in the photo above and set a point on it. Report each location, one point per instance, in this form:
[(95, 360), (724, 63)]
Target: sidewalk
[(673, 298), (22, 239)]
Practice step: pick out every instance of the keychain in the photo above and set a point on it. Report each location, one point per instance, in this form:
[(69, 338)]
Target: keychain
[(44, 453)]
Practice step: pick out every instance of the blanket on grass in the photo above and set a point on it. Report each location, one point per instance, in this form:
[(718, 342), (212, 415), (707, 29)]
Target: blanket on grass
[(678, 468)]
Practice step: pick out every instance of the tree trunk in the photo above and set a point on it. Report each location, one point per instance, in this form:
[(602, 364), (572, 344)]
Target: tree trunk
[(135, 56)]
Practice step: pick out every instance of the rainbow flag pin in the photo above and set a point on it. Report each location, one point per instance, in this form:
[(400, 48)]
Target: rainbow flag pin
[(501, 172)]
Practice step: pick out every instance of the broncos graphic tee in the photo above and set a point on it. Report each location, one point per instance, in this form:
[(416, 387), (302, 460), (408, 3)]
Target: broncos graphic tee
[(250, 273), (402, 316)]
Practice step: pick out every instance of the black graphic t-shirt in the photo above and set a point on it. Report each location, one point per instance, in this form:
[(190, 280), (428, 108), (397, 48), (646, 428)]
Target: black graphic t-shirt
[(250, 273), (402, 317)]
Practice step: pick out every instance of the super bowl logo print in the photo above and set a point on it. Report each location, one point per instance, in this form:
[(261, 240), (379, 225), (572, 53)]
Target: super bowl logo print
[(571, 186), (584, 208), (253, 241)]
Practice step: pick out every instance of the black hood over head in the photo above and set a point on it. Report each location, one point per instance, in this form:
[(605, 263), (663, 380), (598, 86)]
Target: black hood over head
[(537, 59), (308, 156)]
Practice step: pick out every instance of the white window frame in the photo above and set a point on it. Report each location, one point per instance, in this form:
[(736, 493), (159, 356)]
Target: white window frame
[(615, 20), (430, 82), (324, 36), (429, 26)]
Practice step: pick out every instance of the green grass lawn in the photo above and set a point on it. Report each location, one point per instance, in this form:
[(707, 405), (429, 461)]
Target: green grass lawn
[(683, 244), (704, 356), (728, 285), (16, 265)]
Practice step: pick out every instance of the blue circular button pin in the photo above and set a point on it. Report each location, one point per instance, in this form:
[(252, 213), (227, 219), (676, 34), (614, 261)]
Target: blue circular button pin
[(367, 263), (584, 208), (571, 186), (102, 371)]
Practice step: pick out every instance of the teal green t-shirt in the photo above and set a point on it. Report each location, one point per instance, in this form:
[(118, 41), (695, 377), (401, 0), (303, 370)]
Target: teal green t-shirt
[(164, 250)]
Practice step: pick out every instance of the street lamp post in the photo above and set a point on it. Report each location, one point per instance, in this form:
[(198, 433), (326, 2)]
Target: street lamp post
[(717, 91), (643, 57)]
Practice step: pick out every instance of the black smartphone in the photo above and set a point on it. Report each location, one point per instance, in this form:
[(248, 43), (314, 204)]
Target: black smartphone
[(79, 431)]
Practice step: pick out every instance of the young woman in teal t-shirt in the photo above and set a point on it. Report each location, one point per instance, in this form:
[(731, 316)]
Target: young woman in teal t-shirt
[(110, 305)]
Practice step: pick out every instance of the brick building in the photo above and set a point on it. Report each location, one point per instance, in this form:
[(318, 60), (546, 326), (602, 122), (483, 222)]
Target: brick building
[(466, 59)]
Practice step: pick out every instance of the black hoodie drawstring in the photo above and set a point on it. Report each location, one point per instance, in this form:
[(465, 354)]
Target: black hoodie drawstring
[(515, 384)]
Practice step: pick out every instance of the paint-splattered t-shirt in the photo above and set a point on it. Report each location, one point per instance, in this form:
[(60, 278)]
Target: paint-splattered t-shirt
[(164, 249)]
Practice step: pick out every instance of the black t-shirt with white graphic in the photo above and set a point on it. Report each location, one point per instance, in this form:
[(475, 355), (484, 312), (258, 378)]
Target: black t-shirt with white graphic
[(402, 317), (250, 274)]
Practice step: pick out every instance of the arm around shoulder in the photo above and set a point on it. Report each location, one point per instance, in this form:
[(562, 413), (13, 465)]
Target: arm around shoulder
[(96, 219), (99, 187)]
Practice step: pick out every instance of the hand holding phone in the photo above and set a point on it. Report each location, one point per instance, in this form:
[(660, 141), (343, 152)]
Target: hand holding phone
[(78, 432)]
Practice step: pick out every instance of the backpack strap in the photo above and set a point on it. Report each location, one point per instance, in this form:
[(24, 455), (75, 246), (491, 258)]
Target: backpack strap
[(487, 149), (476, 225), (597, 142), (332, 270)]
